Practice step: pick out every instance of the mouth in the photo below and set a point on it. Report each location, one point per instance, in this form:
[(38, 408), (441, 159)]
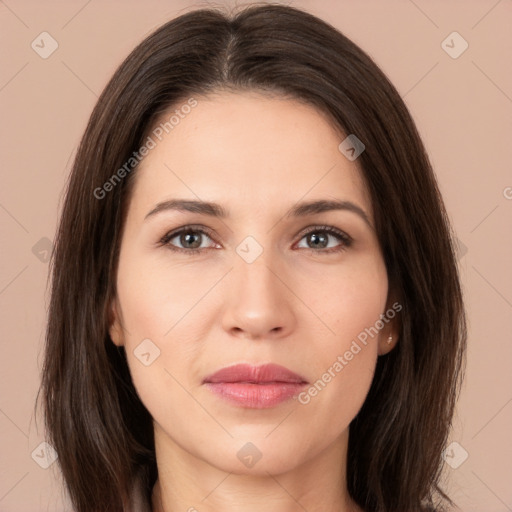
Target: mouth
[(255, 387)]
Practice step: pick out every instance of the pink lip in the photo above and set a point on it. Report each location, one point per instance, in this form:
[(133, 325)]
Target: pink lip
[(256, 387)]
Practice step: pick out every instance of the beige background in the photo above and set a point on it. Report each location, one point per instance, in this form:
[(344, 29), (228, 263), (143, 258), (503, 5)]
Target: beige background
[(463, 108)]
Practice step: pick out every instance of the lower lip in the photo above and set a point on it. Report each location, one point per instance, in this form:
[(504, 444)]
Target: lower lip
[(255, 396)]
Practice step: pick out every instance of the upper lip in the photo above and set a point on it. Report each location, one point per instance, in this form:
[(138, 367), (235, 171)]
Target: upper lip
[(255, 374)]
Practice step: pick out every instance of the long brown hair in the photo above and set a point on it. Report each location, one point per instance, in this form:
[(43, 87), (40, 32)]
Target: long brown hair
[(100, 429)]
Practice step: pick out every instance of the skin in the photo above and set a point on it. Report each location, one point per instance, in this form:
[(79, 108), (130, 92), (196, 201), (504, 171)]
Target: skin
[(295, 305)]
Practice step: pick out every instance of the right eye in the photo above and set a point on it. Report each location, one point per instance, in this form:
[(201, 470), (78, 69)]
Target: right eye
[(189, 237)]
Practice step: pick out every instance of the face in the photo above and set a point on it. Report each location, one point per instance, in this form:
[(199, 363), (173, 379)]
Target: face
[(265, 283)]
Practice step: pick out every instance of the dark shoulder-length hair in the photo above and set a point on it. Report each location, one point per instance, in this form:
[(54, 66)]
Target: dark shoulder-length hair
[(94, 418)]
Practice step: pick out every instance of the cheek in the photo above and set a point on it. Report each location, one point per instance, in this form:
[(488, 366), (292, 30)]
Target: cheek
[(346, 299), (157, 299), (349, 302), (165, 327), (334, 399)]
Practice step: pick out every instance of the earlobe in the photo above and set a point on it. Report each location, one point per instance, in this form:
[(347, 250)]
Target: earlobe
[(388, 337), (387, 342), (115, 330)]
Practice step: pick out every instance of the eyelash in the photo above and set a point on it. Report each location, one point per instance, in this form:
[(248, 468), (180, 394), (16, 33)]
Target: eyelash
[(340, 235)]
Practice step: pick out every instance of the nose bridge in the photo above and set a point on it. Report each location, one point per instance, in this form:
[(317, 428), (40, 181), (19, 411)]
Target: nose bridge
[(256, 279)]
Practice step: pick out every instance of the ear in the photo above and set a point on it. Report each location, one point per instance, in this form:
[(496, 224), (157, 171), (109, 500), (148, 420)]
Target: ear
[(388, 336), (115, 328)]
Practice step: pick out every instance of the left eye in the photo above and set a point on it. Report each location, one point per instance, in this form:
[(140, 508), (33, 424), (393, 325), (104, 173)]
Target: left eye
[(190, 239), (319, 238)]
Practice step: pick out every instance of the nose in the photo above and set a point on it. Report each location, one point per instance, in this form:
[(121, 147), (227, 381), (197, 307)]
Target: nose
[(260, 303)]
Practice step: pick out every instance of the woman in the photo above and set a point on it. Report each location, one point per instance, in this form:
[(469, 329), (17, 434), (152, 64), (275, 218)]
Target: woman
[(306, 351)]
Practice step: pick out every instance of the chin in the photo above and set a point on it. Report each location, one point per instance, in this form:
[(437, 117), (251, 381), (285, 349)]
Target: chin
[(259, 455)]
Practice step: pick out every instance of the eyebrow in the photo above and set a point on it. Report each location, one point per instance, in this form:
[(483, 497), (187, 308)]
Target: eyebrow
[(299, 210)]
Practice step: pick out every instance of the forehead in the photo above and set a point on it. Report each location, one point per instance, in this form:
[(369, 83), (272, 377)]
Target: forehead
[(250, 146)]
